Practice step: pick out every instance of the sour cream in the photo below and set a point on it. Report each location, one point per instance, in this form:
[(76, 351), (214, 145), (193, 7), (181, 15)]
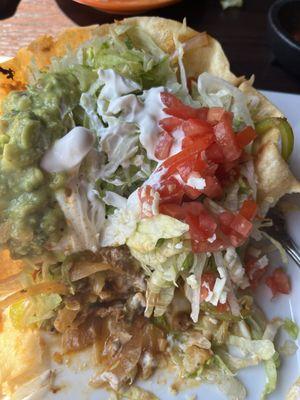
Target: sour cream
[(69, 151)]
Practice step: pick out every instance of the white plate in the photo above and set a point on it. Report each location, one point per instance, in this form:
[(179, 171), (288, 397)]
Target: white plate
[(76, 380)]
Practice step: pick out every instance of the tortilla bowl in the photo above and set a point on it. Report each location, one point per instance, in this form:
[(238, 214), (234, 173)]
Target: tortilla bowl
[(273, 174)]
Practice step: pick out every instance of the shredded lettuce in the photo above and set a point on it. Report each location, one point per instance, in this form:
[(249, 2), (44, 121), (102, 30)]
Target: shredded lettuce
[(193, 283), (162, 263), (118, 227), (150, 230), (263, 349), (229, 385), (288, 348), (129, 51), (292, 328), (271, 375), (216, 92)]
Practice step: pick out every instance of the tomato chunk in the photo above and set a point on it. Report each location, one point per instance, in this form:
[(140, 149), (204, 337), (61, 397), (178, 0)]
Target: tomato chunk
[(226, 138), (212, 189), (194, 127), (198, 142), (193, 208), (163, 146), (195, 231), (191, 192), (241, 225), (221, 308), (170, 124), (254, 273), (279, 282), (178, 109), (146, 196), (215, 114), (173, 210), (170, 191), (207, 224), (248, 209), (215, 154), (205, 246), (245, 136), (208, 280)]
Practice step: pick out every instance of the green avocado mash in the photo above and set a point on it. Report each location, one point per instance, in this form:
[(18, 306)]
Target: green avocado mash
[(32, 120)]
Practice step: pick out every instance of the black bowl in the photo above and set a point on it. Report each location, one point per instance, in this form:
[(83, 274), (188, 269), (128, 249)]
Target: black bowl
[(284, 33)]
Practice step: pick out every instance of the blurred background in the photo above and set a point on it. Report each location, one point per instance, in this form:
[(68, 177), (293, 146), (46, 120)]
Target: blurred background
[(241, 30)]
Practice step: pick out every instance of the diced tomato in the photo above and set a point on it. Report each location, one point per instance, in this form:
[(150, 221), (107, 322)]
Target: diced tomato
[(241, 225), (226, 138), (202, 113), (146, 197), (178, 109), (221, 308), (191, 193), (279, 282), (227, 172), (188, 166), (254, 273), (170, 191), (173, 210), (187, 142), (183, 156), (207, 279), (170, 124), (207, 224), (226, 219), (163, 146), (198, 142), (248, 209), (195, 231), (212, 189), (185, 162), (205, 246), (215, 154), (245, 136), (235, 239), (202, 227), (196, 127), (215, 114), (193, 207)]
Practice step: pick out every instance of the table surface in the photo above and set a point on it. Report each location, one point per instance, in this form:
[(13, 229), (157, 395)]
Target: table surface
[(242, 32)]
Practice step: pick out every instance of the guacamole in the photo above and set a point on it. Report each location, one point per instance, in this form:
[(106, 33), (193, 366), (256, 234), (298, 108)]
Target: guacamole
[(32, 120)]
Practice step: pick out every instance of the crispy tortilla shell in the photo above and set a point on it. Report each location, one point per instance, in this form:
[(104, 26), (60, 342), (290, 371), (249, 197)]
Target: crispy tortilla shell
[(274, 176), (274, 179)]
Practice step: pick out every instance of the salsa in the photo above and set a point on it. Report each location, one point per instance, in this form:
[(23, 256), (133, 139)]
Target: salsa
[(31, 121)]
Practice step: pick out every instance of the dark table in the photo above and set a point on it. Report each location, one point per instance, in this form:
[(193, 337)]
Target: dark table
[(242, 32)]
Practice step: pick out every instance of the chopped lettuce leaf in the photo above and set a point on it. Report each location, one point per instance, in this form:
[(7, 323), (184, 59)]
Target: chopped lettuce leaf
[(118, 228), (263, 349), (162, 263), (288, 348), (150, 230), (292, 328), (229, 385), (271, 376), (220, 363)]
